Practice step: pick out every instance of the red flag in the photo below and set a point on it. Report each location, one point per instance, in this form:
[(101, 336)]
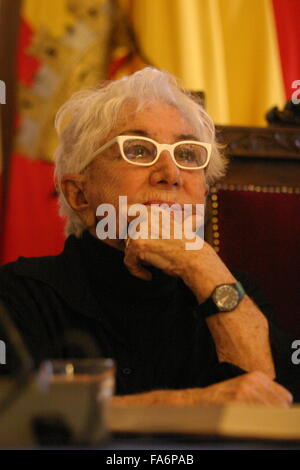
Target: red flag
[(287, 16)]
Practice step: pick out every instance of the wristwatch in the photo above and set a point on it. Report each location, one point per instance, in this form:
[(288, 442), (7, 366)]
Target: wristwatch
[(224, 298)]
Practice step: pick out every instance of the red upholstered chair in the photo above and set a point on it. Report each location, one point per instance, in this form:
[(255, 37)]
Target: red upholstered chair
[(257, 230), (254, 214)]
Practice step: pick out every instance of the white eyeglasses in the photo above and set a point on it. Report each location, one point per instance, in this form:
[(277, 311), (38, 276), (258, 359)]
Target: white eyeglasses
[(186, 154)]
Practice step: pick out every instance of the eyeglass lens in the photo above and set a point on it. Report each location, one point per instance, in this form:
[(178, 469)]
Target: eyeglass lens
[(186, 154)]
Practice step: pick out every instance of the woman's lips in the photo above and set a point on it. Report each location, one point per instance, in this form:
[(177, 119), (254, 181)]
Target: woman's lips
[(169, 203), (166, 205), (187, 208)]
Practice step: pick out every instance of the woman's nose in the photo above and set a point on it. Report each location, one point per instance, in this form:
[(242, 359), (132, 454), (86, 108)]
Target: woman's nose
[(165, 170)]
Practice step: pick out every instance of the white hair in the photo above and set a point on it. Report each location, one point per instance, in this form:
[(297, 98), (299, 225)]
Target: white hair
[(90, 115)]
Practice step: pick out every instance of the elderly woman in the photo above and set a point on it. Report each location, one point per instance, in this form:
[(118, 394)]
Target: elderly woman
[(182, 327)]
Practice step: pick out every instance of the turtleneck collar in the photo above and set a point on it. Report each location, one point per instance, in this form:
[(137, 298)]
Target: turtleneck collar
[(107, 272)]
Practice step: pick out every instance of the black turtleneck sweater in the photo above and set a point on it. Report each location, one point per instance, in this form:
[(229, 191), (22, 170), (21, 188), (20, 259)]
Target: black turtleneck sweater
[(84, 302)]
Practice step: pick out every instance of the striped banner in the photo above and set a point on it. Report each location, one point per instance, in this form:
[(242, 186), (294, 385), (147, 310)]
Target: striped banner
[(244, 54)]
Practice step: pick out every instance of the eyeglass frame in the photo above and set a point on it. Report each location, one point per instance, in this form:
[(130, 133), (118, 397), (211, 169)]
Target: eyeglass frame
[(120, 139)]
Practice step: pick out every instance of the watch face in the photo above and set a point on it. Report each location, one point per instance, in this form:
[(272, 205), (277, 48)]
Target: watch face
[(226, 297)]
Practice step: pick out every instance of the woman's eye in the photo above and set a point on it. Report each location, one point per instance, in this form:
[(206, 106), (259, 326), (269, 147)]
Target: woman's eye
[(137, 151), (187, 156)]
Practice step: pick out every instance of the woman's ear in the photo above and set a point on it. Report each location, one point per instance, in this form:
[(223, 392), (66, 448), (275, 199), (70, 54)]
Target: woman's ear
[(72, 186)]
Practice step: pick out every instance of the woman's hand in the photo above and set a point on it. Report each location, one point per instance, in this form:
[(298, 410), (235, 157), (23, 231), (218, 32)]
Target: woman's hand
[(200, 269)]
